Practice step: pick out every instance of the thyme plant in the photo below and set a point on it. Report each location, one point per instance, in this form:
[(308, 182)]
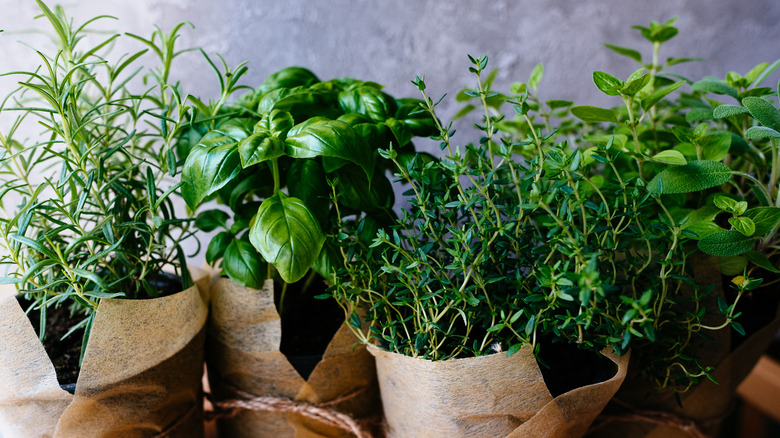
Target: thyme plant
[(86, 164), (520, 239)]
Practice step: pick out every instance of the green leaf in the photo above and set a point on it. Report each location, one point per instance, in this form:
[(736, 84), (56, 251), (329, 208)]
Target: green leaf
[(763, 111), (592, 114), (714, 86), (243, 264), (670, 157), (692, 177), (764, 218), (744, 225), (356, 194), (330, 138), (536, 76), (760, 259), (724, 111), (726, 243), (698, 114), (756, 132), (729, 205), (607, 83), (306, 181), (287, 235), (210, 220), (217, 246), (260, 147), (369, 101), (715, 147), (636, 85), (653, 99), (633, 54), (732, 265), (211, 164)]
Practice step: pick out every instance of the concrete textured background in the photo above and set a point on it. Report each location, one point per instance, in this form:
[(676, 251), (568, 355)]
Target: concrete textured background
[(392, 41)]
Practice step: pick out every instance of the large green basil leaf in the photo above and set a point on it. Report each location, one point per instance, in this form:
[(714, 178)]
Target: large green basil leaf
[(275, 123), (353, 119), (243, 264), (218, 245), (401, 132), (354, 193), (287, 235), (419, 121), (327, 262), (301, 102), (369, 101), (260, 147), (211, 164), (695, 176), (306, 181), (330, 138), (377, 135), (289, 77)]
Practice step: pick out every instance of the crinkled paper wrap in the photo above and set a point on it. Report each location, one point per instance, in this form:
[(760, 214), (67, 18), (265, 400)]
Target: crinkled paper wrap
[(706, 404), (141, 375), (243, 353), (488, 396)]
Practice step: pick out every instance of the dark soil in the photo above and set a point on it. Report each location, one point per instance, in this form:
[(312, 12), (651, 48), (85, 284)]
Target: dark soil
[(566, 367), (64, 354), (308, 324)]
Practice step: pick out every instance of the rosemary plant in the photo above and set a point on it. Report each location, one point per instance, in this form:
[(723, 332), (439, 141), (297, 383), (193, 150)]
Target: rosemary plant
[(86, 164)]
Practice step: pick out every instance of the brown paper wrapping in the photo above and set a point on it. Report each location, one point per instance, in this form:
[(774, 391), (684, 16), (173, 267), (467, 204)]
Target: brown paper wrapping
[(634, 411), (243, 353), (141, 374), (488, 396)]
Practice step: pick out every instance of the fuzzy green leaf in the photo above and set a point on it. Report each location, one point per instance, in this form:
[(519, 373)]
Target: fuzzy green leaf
[(763, 111), (713, 86), (726, 243), (756, 132), (724, 111), (692, 177)]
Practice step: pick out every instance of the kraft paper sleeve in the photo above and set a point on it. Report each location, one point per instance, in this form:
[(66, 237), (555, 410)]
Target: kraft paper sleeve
[(487, 396), (243, 353), (140, 376)]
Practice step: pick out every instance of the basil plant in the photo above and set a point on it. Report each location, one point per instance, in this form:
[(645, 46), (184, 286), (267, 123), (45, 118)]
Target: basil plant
[(288, 160)]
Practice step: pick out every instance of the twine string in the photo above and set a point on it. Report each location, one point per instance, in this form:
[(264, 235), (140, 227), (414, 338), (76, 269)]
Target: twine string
[(322, 412)]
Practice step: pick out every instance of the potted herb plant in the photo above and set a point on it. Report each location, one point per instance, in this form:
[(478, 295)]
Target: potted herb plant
[(519, 260), (713, 166), (91, 247), (286, 160)]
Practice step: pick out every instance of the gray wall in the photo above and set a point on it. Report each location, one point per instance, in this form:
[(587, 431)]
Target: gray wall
[(392, 41)]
